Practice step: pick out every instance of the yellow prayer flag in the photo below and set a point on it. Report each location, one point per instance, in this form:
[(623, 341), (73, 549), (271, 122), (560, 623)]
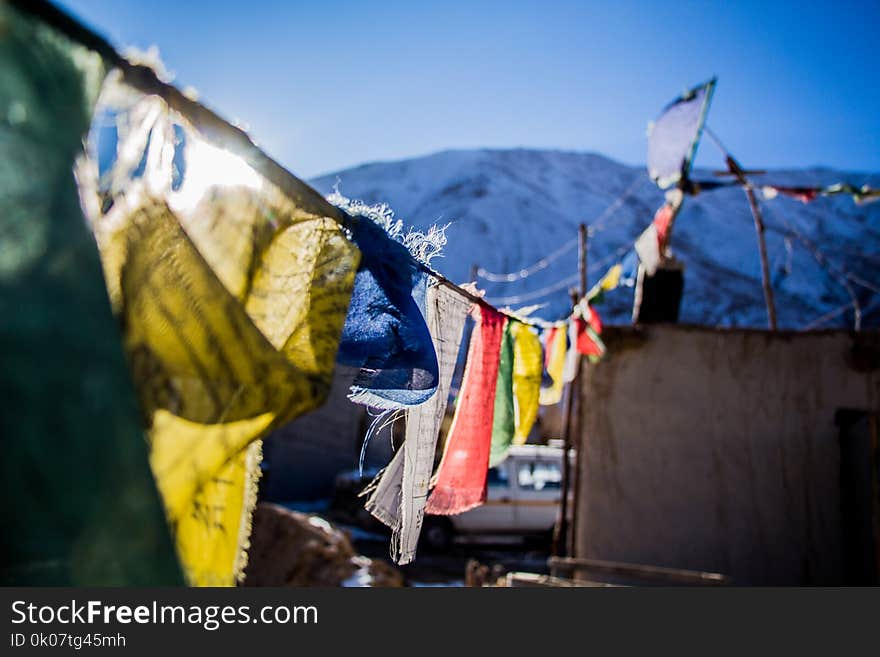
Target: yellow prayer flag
[(527, 364), (555, 367), (232, 300), (608, 282)]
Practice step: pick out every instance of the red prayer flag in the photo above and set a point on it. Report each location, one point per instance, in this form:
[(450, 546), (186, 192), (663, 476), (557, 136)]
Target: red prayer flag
[(585, 343), (802, 194), (593, 319), (662, 220), (548, 351), (461, 477)]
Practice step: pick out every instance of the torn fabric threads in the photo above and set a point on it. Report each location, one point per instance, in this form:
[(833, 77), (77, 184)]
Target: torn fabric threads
[(399, 499), (232, 298), (461, 477), (527, 364), (384, 493), (385, 332), (447, 312), (554, 362), (503, 420)]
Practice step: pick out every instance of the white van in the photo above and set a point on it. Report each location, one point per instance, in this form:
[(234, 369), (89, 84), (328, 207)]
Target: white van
[(522, 498)]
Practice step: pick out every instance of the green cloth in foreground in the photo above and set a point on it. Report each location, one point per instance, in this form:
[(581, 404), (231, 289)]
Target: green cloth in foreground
[(504, 418), (79, 505)]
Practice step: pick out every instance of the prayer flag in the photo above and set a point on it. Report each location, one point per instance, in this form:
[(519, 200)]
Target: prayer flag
[(554, 362), (79, 503), (504, 420), (461, 478), (527, 364), (674, 135), (399, 499), (232, 297)]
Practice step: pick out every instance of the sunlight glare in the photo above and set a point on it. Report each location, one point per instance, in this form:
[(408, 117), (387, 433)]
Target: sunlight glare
[(209, 166)]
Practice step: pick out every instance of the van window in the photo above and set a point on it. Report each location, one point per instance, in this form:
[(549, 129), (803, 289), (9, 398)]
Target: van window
[(497, 477), (539, 475)]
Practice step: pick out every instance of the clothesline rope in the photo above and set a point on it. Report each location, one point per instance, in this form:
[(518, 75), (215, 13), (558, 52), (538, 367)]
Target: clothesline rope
[(841, 276), (537, 294), (543, 263), (596, 226), (823, 319), (601, 222), (562, 283)]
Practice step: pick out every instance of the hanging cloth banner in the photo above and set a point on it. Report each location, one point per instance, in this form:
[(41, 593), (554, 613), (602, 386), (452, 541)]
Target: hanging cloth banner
[(662, 222), (504, 418), (647, 246), (572, 358), (385, 332), (399, 499), (588, 327), (861, 195), (79, 503), (232, 298), (629, 268), (674, 135), (588, 341), (527, 365), (593, 319), (607, 283), (460, 482), (802, 194), (665, 217), (554, 362)]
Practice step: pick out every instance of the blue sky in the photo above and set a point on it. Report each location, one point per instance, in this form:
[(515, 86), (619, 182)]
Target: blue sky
[(330, 84)]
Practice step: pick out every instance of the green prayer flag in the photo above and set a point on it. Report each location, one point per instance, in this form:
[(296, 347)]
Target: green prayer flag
[(79, 505), (504, 417)]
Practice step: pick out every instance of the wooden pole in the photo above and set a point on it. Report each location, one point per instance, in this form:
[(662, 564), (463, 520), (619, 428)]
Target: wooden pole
[(563, 538), (560, 532), (582, 259), (765, 267), (739, 172), (575, 401)]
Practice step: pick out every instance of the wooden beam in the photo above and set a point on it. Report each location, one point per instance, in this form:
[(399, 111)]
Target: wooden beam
[(657, 573), (740, 173)]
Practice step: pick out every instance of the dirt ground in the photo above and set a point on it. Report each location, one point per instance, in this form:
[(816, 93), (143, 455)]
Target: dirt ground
[(450, 568)]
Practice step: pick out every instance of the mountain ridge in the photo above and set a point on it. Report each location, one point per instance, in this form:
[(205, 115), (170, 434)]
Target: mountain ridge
[(508, 208)]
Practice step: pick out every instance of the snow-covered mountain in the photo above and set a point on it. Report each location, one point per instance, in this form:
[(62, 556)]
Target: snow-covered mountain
[(510, 208)]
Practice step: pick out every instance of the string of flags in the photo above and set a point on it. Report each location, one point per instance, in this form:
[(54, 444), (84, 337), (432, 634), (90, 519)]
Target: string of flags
[(861, 195), (673, 139), (672, 144), (236, 288)]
